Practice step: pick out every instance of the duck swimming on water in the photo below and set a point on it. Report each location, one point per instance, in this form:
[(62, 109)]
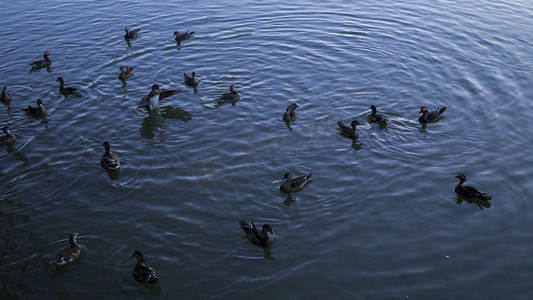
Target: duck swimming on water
[(377, 118), (180, 37), (125, 72), (468, 191), (262, 237), (131, 34), (151, 100), (46, 62), (8, 138), (350, 132), (65, 90), (430, 117), (190, 80), (233, 95), (37, 111), (141, 272), (290, 113), (69, 254), (294, 184), (5, 97), (109, 161)]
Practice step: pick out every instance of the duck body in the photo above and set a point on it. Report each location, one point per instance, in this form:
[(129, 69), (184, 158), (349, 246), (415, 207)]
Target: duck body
[(430, 117), (294, 184), (7, 139), (377, 118), (46, 62), (190, 80), (37, 111), (183, 36), (258, 237), (69, 254), (109, 161), (290, 113), (233, 95), (349, 132), (143, 273), (5, 97), (469, 191), (131, 34), (125, 72), (151, 101), (65, 90)]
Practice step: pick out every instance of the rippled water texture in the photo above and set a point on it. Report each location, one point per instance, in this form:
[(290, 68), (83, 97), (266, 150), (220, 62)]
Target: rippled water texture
[(380, 218)]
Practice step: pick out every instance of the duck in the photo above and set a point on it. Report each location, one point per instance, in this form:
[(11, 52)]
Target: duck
[(468, 191), (233, 95), (143, 273), (65, 90), (7, 139), (294, 184), (350, 132), (180, 37), (109, 161), (375, 117), (46, 62), (125, 72), (69, 254), (290, 113), (258, 237), (5, 97), (151, 100), (190, 80), (37, 111), (131, 34), (430, 117)]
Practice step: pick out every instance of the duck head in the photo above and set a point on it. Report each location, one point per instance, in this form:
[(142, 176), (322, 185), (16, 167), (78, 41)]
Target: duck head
[(40, 103), (294, 105), (72, 238), (232, 88), (127, 29), (268, 229), (138, 255), (176, 33), (122, 68), (106, 146), (374, 109), (355, 123), (155, 88), (461, 177), (45, 55), (423, 110), (6, 129), (193, 74), (60, 79), (287, 175)]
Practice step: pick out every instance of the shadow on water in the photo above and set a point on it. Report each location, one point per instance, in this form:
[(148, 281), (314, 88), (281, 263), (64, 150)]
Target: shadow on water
[(156, 117), (289, 200), (356, 145), (478, 202), (113, 174), (288, 124), (268, 254)]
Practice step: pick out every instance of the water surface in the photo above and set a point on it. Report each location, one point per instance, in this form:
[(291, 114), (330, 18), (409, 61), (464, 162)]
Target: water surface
[(380, 218)]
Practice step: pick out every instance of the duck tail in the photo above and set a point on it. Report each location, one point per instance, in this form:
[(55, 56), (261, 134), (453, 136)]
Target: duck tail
[(441, 110), (307, 176), (244, 225)]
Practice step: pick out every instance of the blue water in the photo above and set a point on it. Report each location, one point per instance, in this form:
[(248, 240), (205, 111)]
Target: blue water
[(380, 218)]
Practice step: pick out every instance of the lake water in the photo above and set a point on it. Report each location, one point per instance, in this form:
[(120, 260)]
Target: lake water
[(380, 218)]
